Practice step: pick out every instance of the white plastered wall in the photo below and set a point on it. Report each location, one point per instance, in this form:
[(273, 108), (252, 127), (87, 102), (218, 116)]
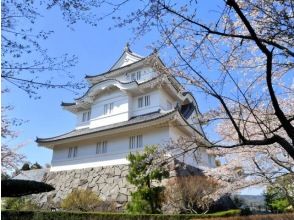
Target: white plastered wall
[(198, 159), (154, 103), (119, 113), (146, 74), (117, 150)]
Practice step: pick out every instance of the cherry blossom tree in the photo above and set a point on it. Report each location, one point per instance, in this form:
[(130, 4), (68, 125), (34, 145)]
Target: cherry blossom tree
[(251, 165), (25, 63), (10, 157)]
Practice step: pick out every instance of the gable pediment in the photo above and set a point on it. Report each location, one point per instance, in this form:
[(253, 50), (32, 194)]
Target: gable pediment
[(128, 57)]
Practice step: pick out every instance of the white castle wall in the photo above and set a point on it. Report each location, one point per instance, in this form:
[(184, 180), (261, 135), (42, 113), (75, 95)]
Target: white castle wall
[(125, 107), (146, 74), (154, 104), (118, 149), (200, 158), (98, 118)]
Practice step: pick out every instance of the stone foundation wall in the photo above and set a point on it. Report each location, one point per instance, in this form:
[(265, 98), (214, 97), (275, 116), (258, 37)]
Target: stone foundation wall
[(109, 183)]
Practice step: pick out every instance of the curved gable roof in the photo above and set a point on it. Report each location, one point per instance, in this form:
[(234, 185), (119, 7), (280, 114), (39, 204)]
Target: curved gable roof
[(127, 57)]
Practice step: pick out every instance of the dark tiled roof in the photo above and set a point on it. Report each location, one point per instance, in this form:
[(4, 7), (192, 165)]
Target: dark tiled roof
[(175, 84), (113, 70), (133, 121), (124, 83), (187, 110), (67, 103)]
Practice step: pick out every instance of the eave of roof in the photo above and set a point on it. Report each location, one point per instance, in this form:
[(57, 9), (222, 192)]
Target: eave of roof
[(67, 103), (88, 131), (115, 70), (123, 83), (175, 84)]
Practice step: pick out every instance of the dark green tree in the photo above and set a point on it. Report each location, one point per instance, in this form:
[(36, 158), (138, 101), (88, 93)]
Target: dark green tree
[(279, 196), (4, 176), (36, 166), (146, 174), (25, 166)]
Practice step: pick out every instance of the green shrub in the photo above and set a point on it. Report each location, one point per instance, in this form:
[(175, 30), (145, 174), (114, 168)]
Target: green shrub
[(280, 205), (81, 200), (30, 215), (279, 196), (18, 204), (245, 211)]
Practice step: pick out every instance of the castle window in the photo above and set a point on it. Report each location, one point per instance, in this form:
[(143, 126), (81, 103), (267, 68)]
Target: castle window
[(139, 141), (138, 75), (140, 102), (101, 147), (132, 142), (143, 101), (133, 76), (75, 152), (69, 152), (86, 116), (147, 100), (108, 108), (136, 142)]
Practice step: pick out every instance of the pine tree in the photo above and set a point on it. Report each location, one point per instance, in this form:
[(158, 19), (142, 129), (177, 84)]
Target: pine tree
[(26, 166), (146, 177), (36, 166)]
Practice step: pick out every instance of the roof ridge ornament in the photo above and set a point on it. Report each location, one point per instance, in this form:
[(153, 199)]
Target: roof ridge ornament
[(127, 48)]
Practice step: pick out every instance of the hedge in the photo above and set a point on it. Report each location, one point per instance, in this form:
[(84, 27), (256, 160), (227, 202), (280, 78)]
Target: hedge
[(16, 188), (61, 215)]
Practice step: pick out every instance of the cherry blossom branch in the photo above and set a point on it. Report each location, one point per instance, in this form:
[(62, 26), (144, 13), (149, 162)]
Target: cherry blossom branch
[(210, 31), (269, 54)]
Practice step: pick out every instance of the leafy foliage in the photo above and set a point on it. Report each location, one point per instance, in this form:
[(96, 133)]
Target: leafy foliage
[(26, 166), (36, 166), (245, 211), (16, 188), (81, 200), (146, 177), (280, 195), (18, 204)]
